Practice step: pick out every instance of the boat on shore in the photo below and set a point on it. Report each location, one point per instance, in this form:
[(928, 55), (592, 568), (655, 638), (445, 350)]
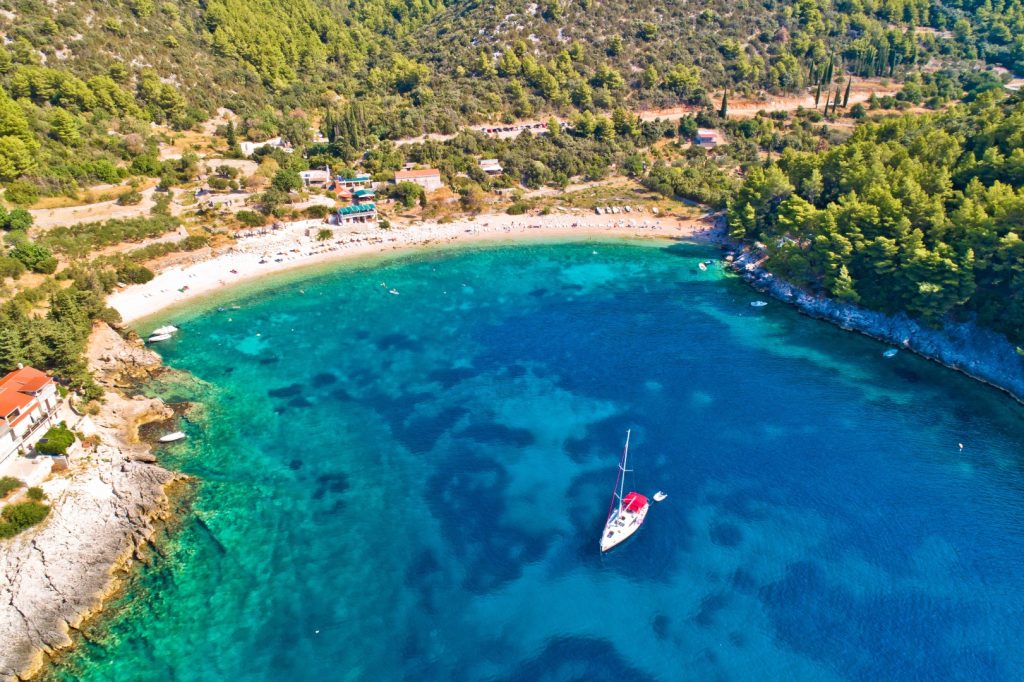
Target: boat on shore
[(155, 338), (627, 511)]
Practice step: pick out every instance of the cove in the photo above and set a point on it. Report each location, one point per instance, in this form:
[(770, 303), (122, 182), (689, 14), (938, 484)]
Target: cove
[(412, 486)]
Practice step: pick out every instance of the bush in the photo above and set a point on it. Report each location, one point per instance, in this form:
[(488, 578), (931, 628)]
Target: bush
[(15, 518), (318, 211), (132, 197), (22, 192), (35, 494), (35, 257), (408, 193), (7, 484), (251, 218), (134, 274), (11, 267), (56, 441), (193, 242), (518, 208)]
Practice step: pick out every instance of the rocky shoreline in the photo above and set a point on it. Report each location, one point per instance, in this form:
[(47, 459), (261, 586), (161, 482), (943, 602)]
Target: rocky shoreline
[(59, 574), (963, 346)]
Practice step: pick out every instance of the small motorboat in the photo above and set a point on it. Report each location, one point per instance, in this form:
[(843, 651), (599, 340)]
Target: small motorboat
[(158, 337), (758, 304), (891, 352), (659, 496), (702, 266), (393, 292), (172, 437), (168, 329)]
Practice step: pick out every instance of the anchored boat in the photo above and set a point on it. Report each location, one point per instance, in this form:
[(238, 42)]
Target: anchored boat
[(627, 511)]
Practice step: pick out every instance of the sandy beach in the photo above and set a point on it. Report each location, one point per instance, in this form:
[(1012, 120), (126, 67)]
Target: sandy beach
[(295, 245)]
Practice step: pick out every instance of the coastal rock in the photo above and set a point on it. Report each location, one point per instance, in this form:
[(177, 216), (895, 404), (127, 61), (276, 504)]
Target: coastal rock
[(57, 575), (116, 361), (964, 346)]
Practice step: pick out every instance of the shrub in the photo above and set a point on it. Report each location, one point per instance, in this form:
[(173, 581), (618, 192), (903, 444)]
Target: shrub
[(56, 441), (35, 494), (518, 208), (130, 198), (11, 267), (35, 257), (251, 218), (193, 242), (22, 192), (132, 273), (15, 518), (318, 211), (7, 484)]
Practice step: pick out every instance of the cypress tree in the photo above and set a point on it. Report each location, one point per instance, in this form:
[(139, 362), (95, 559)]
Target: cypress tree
[(828, 70), (846, 95), (724, 110), (817, 95), (835, 101), (231, 136)]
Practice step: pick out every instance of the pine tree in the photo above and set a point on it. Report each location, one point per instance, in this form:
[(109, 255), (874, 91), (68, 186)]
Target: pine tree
[(12, 350), (231, 135), (843, 286), (724, 110)]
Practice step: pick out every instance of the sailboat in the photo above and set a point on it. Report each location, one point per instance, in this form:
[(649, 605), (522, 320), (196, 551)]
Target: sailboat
[(627, 511)]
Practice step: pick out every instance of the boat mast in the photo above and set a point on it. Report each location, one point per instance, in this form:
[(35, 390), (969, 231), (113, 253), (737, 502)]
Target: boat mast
[(620, 481), (623, 466)]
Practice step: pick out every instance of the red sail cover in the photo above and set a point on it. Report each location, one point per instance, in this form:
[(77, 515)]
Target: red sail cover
[(634, 501)]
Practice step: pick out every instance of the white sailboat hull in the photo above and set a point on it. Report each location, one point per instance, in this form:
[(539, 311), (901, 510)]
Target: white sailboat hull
[(621, 526)]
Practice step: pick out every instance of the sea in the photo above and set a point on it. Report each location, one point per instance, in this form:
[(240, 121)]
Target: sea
[(404, 464)]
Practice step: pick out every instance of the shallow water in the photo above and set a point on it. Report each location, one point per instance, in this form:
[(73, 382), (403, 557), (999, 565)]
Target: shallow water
[(413, 486)]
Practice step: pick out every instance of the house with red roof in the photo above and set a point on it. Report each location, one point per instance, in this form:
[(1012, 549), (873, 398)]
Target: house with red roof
[(427, 178), (28, 404)]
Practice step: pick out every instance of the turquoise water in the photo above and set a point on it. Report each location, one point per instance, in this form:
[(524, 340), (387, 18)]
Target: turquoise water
[(413, 486)]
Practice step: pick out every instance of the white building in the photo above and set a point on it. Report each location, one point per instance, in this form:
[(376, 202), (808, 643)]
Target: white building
[(28, 404), (315, 178), (490, 166), (708, 138), (248, 147), (427, 178)]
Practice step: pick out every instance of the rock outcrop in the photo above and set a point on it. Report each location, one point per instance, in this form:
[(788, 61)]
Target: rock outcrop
[(978, 352), (103, 511)]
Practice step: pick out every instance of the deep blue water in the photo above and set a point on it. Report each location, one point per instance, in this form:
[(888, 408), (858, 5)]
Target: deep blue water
[(413, 486)]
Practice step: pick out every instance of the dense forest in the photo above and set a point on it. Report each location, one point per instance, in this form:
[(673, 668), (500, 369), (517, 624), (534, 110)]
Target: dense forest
[(81, 82), (922, 214)]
